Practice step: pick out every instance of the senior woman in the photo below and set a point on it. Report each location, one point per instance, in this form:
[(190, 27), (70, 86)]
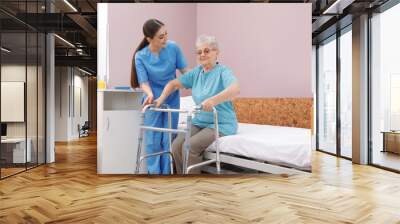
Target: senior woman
[(213, 85)]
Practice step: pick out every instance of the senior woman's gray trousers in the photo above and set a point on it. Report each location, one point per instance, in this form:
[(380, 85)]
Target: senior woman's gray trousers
[(200, 139)]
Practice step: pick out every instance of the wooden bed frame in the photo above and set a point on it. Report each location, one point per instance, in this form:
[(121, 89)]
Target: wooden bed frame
[(290, 112)]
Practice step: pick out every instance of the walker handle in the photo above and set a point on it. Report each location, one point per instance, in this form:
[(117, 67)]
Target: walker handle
[(199, 107)]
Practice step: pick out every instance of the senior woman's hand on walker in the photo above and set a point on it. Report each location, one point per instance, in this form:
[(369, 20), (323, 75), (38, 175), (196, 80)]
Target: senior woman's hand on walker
[(157, 102), (208, 104)]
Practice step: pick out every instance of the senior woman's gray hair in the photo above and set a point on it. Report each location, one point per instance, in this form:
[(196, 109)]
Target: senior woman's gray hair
[(205, 39)]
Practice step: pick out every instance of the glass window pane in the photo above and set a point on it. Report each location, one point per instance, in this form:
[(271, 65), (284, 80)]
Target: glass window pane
[(346, 94), (41, 98), (327, 97), (23, 88), (32, 97), (386, 88), (13, 87)]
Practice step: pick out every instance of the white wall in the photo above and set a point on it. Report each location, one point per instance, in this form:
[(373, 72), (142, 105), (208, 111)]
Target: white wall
[(62, 81), (79, 117), (33, 127), (17, 73), (70, 83), (14, 73)]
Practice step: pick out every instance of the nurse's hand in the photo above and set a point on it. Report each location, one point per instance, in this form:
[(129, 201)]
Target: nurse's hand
[(208, 105), (148, 100)]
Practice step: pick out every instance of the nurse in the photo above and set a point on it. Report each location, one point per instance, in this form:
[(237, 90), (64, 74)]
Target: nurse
[(156, 60)]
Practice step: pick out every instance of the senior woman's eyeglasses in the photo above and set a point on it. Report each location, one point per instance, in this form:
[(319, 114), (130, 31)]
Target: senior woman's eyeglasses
[(205, 51)]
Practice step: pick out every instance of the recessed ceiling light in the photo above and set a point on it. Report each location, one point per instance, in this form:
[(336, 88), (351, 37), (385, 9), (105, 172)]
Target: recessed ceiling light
[(84, 71), (64, 40), (5, 49), (337, 7), (70, 5)]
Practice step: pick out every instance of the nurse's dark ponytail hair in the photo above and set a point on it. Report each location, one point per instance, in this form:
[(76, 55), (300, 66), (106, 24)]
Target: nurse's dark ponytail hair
[(150, 28)]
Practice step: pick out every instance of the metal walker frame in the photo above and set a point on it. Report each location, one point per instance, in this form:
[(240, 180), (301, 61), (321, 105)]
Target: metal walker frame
[(170, 130)]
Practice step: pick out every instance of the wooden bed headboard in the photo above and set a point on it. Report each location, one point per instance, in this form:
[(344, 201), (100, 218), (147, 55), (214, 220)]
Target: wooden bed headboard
[(290, 112)]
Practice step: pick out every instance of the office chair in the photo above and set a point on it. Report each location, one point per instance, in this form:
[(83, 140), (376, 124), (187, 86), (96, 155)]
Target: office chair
[(84, 130)]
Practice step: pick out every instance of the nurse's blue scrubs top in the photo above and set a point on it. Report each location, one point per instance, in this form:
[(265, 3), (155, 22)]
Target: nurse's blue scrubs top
[(159, 69), (206, 85)]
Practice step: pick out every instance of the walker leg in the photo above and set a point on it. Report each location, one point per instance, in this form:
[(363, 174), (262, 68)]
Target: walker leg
[(140, 141), (171, 163), (171, 157), (170, 142), (139, 153), (186, 145), (218, 158), (218, 166), (185, 155)]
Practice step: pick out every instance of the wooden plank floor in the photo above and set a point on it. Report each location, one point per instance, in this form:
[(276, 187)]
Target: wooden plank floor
[(70, 191), (10, 171)]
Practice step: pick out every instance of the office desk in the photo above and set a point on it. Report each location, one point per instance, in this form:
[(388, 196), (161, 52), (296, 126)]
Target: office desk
[(16, 147)]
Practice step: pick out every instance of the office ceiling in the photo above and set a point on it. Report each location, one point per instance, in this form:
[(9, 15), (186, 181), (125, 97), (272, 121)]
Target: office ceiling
[(77, 23)]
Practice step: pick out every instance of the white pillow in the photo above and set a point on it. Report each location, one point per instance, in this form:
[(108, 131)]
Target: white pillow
[(187, 103)]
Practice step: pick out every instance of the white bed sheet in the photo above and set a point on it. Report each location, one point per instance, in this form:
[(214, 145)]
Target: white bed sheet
[(275, 144)]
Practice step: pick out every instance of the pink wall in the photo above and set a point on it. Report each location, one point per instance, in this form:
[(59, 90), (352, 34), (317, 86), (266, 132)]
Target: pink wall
[(125, 33), (268, 46)]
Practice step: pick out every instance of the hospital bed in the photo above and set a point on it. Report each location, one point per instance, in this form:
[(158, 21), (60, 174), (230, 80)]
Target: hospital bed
[(274, 135)]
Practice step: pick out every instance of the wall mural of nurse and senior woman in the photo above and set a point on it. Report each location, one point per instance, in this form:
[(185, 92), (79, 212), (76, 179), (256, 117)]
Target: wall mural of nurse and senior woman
[(213, 85)]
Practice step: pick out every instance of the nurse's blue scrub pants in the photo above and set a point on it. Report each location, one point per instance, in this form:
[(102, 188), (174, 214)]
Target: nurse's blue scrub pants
[(158, 141)]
